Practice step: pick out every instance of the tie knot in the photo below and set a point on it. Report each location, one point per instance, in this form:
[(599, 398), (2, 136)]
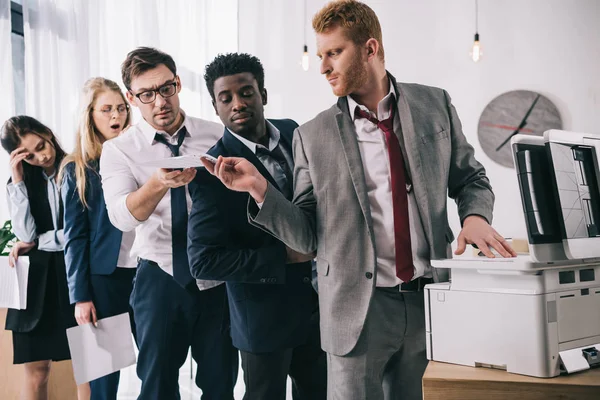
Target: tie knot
[(173, 147), (360, 113), (386, 125)]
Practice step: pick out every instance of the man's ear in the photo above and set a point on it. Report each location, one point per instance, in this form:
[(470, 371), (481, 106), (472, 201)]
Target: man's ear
[(215, 107), (178, 80), (372, 48), (263, 94), (130, 98)]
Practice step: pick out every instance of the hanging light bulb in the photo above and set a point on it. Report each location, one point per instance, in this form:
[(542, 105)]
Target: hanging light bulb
[(305, 59), (476, 52)]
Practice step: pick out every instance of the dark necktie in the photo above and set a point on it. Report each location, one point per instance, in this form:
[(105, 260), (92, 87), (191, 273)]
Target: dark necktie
[(179, 218), (276, 165), (404, 260)]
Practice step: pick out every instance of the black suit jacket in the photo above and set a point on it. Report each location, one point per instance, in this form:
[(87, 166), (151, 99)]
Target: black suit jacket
[(40, 262), (270, 301)]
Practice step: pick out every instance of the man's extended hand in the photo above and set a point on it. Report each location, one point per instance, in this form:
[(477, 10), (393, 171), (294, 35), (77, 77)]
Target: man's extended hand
[(175, 178), (476, 230), (240, 175)]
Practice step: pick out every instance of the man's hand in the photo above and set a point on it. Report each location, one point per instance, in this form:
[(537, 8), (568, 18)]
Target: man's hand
[(293, 257), (240, 175), (85, 312), (173, 179), (477, 231), (18, 249)]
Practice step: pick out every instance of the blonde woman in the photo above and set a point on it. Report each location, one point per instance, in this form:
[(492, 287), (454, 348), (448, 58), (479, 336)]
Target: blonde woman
[(99, 268)]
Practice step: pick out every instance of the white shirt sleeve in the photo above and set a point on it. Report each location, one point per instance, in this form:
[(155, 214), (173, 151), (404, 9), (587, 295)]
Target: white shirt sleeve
[(52, 240), (23, 224), (117, 183)]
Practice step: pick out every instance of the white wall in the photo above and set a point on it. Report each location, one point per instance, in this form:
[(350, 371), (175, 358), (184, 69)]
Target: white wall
[(549, 46)]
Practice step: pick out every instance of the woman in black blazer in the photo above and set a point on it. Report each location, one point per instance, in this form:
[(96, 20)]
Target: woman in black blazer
[(39, 332)]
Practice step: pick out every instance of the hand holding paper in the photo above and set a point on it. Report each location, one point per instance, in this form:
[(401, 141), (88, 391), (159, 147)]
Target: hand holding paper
[(13, 283), (99, 351)]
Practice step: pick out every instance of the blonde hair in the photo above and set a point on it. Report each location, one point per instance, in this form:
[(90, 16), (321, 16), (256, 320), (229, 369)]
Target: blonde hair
[(358, 20), (88, 146)]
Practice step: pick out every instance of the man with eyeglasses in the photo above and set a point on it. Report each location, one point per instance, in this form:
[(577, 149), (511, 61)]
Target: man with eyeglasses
[(172, 311)]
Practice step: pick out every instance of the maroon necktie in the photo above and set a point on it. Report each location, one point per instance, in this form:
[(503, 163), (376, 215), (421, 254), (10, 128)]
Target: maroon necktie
[(404, 260)]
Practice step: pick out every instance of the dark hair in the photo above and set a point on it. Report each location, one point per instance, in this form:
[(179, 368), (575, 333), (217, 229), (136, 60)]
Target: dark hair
[(16, 127), (231, 64), (144, 59)]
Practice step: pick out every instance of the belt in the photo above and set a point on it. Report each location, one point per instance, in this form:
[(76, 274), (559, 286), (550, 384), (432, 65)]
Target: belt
[(416, 285)]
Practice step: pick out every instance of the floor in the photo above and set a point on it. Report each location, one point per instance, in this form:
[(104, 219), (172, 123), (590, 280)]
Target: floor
[(129, 385)]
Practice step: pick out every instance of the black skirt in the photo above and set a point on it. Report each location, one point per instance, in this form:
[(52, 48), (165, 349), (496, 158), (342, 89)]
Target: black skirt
[(48, 340)]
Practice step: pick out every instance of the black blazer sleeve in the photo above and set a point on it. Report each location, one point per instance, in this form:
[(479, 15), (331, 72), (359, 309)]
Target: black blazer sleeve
[(212, 248)]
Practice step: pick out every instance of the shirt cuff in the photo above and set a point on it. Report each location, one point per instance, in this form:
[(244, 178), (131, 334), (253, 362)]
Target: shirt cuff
[(48, 241)]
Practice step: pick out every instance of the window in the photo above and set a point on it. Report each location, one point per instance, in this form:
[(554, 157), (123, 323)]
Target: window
[(18, 55)]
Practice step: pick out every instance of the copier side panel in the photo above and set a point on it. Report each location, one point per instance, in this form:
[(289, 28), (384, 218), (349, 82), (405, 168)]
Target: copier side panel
[(502, 330)]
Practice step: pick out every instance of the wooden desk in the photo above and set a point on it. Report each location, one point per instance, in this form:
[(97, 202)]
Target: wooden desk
[(456, 382), (60, 387)]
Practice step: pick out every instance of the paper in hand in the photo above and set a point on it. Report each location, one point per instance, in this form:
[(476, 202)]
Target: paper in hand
[(13, 283), (102, 350), (187, 161)]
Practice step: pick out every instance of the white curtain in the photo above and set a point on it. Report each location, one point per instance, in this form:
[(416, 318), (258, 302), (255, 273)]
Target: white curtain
[(69, 41), (293, 92), (7, 106), (52, 72)]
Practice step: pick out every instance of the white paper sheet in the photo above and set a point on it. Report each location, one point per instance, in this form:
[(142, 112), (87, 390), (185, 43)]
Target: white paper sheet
[(99, 351), (187, 161), (13, 283)]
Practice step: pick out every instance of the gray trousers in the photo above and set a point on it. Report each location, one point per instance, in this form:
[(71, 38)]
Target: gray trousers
[(389, 359)]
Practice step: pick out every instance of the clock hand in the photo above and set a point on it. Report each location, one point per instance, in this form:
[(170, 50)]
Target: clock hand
[(522, 124), (506, 127)]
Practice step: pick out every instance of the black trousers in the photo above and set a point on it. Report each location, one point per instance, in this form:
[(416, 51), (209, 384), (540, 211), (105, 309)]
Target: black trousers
[(110, 294), (169, 320), (265, 374)]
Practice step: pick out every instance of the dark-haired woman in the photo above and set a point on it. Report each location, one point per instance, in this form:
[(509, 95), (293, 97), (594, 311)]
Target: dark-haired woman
[(39, 331)]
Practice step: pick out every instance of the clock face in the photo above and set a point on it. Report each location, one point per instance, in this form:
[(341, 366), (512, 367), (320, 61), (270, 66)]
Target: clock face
[(519, 111)]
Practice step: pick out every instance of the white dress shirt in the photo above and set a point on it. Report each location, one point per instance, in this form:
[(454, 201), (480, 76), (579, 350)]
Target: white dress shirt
[(23, 224), (126, 259), (376, 165), (122, 174)]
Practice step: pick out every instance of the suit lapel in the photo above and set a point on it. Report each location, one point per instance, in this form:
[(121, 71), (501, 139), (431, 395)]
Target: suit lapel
[(239, 149), (347, 133)]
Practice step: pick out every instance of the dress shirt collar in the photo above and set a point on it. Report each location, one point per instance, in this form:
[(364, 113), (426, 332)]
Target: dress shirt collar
[(48, 177), (148, 131), (383, 108), (273, 133)]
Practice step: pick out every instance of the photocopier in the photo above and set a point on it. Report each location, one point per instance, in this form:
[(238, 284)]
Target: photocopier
[(536, 314)]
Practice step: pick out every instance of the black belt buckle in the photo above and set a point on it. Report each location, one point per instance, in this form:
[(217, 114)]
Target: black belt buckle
[(416, 285)]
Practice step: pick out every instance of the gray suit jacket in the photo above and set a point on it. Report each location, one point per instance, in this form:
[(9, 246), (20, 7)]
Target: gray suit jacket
[(330, 212)]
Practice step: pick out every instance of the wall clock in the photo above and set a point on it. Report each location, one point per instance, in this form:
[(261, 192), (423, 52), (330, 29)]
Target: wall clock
[(519, 111)]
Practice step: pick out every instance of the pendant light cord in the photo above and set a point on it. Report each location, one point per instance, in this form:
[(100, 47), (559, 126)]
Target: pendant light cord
[(476, 16)]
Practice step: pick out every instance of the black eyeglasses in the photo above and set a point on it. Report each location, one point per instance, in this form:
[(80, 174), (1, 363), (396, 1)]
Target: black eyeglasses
[(165, 91)]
